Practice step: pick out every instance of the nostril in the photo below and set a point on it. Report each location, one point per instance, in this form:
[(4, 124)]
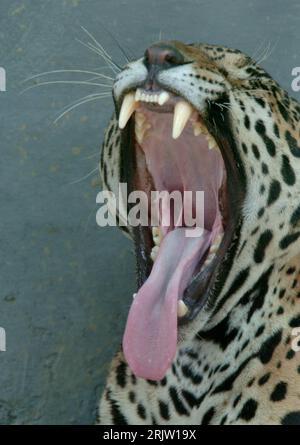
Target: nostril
[(172, 58), (163, 55)]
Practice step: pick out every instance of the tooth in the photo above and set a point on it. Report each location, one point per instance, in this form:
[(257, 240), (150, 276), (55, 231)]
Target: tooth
[(182, 308), (128, 106), (197, 129), (133, 296), (209, 259), (156, 235), (138, 95), (211, 141), (154, 253), (182, 113), (163, 98), (139, 119), (213, 248)]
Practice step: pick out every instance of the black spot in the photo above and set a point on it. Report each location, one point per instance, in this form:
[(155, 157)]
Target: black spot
[(248, 411), (152, 382), (288, 240), (259, 290), (283, 111), (280, 310), (235, 286), (208, 416), (192, 400), (264, 168), (141, 411), (220, 334), (261, 212), (255, 151), (287, 172), (281, 294), (223, 420), (259, 331), (224, 367), (276, 130), (268, 347), (132, 397), (121, 374), (295, 217), (260, 101), (227, 384), (263, 242), (295, 322), (245, 148), (250, 383), (261, 130), (292, 143), (117, 416), (187, 372), (163, 381), (247, 122), (290, 354), (178, 405), (274, 192), (279, 392), (264, 379), (236, 400), (292, 418), (164, 410)]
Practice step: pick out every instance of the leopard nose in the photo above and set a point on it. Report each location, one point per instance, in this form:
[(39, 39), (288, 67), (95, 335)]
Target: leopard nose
[(164, 56)]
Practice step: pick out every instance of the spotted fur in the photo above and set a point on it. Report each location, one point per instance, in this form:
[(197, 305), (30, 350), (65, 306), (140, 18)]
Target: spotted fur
[(234, 362)]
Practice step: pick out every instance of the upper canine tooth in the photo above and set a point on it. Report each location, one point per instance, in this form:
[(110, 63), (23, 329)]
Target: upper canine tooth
[(163, 98), (182, 308), (128, 106), (182, 113)]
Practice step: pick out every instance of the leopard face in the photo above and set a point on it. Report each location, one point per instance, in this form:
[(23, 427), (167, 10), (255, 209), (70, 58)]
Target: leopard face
[(203, 117)]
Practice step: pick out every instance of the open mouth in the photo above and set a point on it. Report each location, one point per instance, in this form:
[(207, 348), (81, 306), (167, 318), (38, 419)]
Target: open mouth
[(173, 148)]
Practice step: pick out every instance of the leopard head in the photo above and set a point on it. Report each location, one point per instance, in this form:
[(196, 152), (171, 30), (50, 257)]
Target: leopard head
[(198, 117)]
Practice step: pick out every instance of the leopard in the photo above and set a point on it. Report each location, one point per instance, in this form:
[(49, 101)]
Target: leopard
[(211, 335)]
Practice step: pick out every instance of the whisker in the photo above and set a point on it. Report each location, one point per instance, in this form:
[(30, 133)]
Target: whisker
[(92, 48), (96, 42), (84, 177), (102, 54), (77, 104), (90, 156), (74, 82), (127, 58), (68, 71)]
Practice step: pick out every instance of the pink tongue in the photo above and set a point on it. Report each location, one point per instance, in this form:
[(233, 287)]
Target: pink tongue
[(150, 337)]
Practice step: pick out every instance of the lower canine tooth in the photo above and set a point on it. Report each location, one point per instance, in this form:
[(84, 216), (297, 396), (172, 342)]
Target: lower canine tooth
[(197, 129), (182, 113), (182, 308), (128, 107)]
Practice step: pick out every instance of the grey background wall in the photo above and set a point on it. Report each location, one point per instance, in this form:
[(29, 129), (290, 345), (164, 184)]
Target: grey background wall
[(66, 284)]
